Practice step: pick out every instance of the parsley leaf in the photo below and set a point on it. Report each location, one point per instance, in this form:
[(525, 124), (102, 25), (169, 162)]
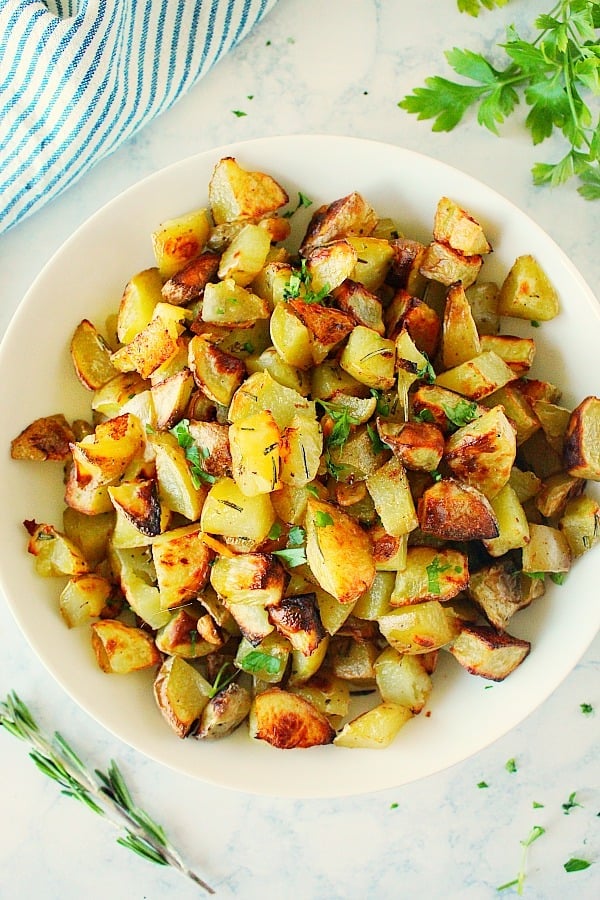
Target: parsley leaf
[(292, 556), (556, 74), (303, 201), (511, 766), (434, 570), (193, 453), (322, 519), (576, 865), (586, 708), (296, 536), (460, 414), (298, 286), (570, 804), (257, 661)]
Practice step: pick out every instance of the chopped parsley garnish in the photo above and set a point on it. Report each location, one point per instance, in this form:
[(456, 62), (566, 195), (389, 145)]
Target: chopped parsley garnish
[(434, 570), (193, 453), (426, 371), (394, 805), (257, 661), (239, 113), (296, 536), (322, 519), (576, 865), (511, 766), (482, 784), (275, 531), (424, 415), (536, 805), (303, 202), (586, 708), (292, 556), (570, 804), (312, 489), (376, 442), (383, 407), (558, 577), (461, 413), (534, 323), (301, 278)]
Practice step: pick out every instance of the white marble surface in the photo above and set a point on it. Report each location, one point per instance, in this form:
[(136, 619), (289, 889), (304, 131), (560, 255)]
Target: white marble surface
[(337, 67)]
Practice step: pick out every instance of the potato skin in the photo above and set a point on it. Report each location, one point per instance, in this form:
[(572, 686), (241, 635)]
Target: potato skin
[(288, 721), (45, 438)]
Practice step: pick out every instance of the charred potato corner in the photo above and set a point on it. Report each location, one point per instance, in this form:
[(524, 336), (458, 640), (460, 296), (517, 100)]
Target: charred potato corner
[(308, 471)]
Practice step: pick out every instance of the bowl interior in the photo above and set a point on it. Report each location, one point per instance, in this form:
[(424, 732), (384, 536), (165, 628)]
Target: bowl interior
[(85, 280)]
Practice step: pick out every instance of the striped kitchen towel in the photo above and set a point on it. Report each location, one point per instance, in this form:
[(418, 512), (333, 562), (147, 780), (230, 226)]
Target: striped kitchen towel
[(78, 77)]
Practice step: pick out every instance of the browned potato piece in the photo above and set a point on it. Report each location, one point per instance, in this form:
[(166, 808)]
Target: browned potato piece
[(188, 283), (121, 649), (389, 551), (327, 693), (406, 264), (182, 562), (403, 679), (138, 502), (513, 529), (369, 358), (328, 266), (213, 440), (224, 712), (298, 619), (456, 512), (181, 694), (417, 317), (517, 408), (235, 193), (178, 240), (171, 397), (46, 438), (555, 493), (582, 440), (332, 538), (151, 348), (417, 445), (348, 215), (256, 578), (444, 264), (217, 374), (353, 660), (188, 634), (527, 292), (482, 453), (287, 720), (482, 651), (430, 574), (483, 299), (453, 225), (327, 327), (360, 303), (460, 338), (535, 390), (91, 356), (497, 590), (83, 598), (142, 293), (54, 553)]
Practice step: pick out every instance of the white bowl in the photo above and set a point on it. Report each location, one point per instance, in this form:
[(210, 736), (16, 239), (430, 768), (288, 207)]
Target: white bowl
[(85, 279)]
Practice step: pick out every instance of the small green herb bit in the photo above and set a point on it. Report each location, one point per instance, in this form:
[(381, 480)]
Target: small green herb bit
[(511, 766), (257, 661), (555, 73), (434, 570), (473, 7), (193, 453), (586, 708), (104, 793), (576, 865), (536, 832), (570, 804)]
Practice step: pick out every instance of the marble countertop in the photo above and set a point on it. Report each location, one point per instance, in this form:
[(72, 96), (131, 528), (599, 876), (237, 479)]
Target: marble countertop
[(340, 68)]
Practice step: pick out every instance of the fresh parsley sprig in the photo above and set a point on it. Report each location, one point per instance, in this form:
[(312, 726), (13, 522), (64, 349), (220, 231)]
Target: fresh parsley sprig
[(299, 286), (473, 7), (557, 74), (193, 453), (105, 793), (536, 832)]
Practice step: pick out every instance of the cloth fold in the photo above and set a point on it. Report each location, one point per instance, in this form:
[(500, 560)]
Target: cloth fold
[(79, 77)]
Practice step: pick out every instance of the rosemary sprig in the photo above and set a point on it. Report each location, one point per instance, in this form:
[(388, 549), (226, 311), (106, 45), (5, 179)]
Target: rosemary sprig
[(105, 793)]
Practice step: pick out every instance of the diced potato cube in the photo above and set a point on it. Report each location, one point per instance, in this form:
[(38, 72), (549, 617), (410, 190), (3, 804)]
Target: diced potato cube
[(178, 240), (217, 374), (456, 512), (513, 528), (182, 562), (460, 338), (254, 443), (181, 694), (256, 578), (373, 260), (300, 451), (142, 292), (369, 358), (582, 440), (482, 453), (83, 598), (547, 550), (402, 679), (286, 720), (478, 377), (91, 356), (482, 651), (327, 327), (453, 225), (348, 215), (527, 292), (178, 489), (121, 649), (54, 553), (228, 303), (46, 438), (245, 256), (391, 494), (374, 729), (430, 574), (418, 628), (229, 512), (333, 537), (235, 193), (580, 524), (444, 264)]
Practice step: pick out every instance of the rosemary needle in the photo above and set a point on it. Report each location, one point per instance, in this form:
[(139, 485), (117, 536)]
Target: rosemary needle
[(106, 793)]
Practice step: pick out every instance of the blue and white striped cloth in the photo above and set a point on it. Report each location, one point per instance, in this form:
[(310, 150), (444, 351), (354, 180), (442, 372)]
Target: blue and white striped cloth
[(78, 77)]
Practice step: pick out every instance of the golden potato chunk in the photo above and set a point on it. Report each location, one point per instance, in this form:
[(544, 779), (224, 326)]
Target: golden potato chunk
[(224, 712), (527, 292), (286, 721), (374, 729), (178, 240), (456, 512), (54, 553), (482, 453), (235, 193), (181, 694), (298, 619), (444, 264), (482, 651), (348, 215), (332, 538), (91, 356), (188, 283), (46, 438), (430, 574), (453, 225), (460, 338), (121, 649), (182, 562), (582, 440)]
